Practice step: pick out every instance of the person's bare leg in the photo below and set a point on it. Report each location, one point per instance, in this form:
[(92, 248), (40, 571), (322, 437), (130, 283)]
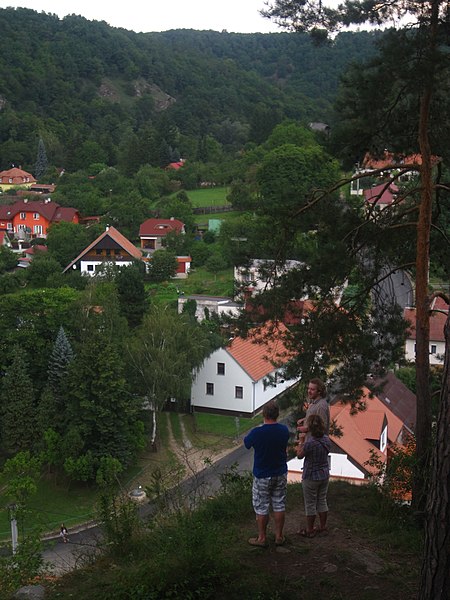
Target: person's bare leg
[(262, 521), (323, 520), (310, 523), (279, 518)]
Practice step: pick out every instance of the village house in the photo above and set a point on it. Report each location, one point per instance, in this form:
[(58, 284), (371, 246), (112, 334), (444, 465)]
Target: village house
[(240, 378), (152, 232), (110, 248), (15, 178), (438, 316), (365, 435), (206, 306), (31, 219), (260, 275)]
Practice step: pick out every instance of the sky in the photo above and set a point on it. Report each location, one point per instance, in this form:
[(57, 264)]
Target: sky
[(239, 16)]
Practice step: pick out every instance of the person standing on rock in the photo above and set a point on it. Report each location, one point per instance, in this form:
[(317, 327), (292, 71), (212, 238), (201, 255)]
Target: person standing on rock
[(269, 442)]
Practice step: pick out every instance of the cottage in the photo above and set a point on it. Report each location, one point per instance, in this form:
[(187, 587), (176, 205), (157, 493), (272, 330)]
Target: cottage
[(365, 434), (240, 378), (152, 232), (110, 248)]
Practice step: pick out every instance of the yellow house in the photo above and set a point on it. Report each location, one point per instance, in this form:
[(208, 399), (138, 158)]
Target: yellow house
[(15, 178)]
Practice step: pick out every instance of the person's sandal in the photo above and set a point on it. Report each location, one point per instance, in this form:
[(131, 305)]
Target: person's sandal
[(255, 542), (307, 534)]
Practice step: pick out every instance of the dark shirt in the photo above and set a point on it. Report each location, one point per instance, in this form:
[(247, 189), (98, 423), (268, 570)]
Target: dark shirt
[(315, 466), (269, 442)]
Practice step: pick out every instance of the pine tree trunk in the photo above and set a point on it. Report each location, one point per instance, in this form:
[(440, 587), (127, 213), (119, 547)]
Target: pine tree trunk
[(435, 576), (423, 413)]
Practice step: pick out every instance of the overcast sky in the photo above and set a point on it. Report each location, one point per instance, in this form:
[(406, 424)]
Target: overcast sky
[(161, 15)]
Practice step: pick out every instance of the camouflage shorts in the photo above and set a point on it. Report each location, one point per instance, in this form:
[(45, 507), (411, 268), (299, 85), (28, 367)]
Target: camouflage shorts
[(269, 490)]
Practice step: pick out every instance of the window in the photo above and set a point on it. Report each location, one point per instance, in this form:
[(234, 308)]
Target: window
[(210, 389), (9, 226), (90, 267), (433, 349), (238, 391), (98, 252), (108, 253), (22, 216), (36, 216), (220, 368), (37, 229)]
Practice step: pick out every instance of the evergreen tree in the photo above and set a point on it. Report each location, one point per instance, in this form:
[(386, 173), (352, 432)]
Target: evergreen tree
[(17, 423), (102, 412), (132, 295), (41, 160)]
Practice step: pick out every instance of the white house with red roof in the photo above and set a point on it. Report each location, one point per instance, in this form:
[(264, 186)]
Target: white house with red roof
[(438, 318), (243, 376), (31, 219), (15, 178), (153, 231), (110, 248), (365, 434)]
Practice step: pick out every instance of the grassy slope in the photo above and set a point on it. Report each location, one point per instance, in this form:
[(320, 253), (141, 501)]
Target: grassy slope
[(372, 552)]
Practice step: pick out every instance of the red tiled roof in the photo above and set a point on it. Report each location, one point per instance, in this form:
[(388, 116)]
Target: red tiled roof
[(381, 194), (360, 428), (18, 176), (261, 352), (437, 321), (117, 237), (160, 227), (64, 213), (49, 210), (389, 158)]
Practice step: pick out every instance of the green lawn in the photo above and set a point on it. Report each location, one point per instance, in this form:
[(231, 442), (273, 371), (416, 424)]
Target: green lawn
[(54, 504), (216, 196), (200, 281), (223, 425)]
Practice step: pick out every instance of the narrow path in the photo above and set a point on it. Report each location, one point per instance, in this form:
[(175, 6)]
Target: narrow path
[(193, 459)]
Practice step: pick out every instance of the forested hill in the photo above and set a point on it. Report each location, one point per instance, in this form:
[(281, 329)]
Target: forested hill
[(96, 93)]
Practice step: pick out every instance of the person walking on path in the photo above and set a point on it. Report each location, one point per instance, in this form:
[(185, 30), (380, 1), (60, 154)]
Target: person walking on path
[(316, 475), (269, 442), (64, 534), (317, 405)]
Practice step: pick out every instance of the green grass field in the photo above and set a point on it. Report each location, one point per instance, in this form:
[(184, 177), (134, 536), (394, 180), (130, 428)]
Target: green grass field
[(200, 281), (216, 196)]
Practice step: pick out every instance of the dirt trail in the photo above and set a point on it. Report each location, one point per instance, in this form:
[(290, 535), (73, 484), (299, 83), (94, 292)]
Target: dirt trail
[(193, 459)]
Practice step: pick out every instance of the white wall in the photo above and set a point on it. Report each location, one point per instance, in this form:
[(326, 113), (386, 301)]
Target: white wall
[(437, 358), (224, 385), (254, 394), (84, 265), (340, 467)]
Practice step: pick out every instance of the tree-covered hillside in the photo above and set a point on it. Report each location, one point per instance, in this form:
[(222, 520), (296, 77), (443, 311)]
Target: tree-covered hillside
[(97, 94)]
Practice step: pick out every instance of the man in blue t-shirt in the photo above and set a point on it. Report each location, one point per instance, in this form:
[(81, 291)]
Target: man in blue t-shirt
[(269, 442)]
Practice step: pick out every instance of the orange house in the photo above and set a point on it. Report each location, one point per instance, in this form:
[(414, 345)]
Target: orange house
[(32, 219)]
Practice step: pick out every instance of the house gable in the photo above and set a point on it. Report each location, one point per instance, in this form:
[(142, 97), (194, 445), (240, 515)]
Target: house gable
[(111, 246)]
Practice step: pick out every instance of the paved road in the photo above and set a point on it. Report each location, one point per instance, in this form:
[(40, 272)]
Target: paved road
[(82, 545)]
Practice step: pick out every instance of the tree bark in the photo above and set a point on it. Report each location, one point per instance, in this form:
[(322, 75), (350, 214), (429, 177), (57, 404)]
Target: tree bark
[(435, 576), (423, 410)]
